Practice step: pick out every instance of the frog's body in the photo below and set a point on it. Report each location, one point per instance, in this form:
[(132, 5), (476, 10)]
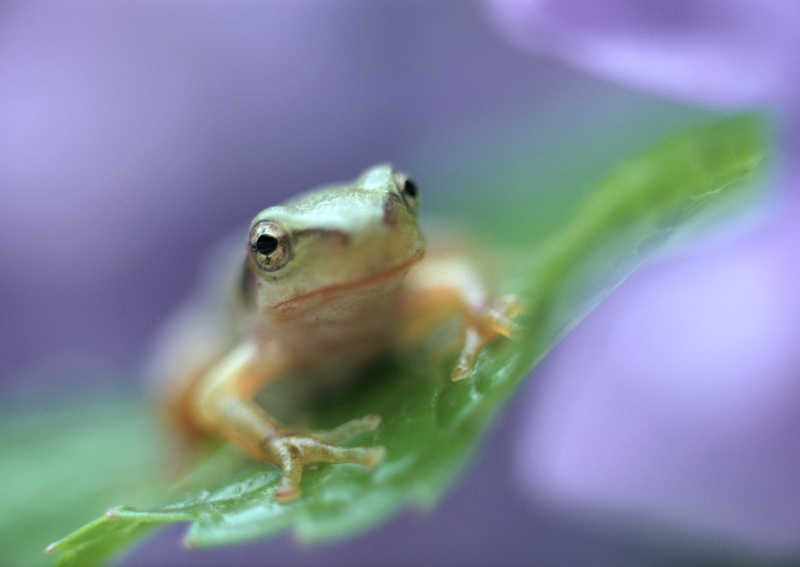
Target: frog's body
[(331, 280)]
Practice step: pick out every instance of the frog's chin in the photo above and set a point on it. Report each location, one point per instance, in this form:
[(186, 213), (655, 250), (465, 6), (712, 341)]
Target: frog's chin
[(383, 279)]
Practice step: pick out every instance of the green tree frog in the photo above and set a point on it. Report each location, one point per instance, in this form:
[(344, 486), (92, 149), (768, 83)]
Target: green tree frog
[(330, 280)]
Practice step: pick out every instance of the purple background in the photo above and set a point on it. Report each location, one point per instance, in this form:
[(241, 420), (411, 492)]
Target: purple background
[(134, 136)]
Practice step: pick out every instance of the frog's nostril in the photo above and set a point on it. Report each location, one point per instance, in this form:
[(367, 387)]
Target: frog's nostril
[(410, 188)]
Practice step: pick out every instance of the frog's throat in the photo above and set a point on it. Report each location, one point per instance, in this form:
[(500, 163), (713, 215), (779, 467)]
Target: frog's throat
[(320, 295)]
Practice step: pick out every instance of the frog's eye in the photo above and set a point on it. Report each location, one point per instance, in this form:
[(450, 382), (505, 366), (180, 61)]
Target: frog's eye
[(269, 246), (408, 189)]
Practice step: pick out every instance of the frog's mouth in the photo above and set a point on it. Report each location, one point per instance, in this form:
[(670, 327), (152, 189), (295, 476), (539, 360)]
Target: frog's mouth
[(328, 292)]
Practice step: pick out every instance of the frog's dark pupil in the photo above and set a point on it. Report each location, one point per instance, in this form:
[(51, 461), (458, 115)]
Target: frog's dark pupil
[(266, 244), (410, 188)]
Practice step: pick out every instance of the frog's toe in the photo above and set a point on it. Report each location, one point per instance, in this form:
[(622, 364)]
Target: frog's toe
[(500, 314), (373, 456), (286, 494), (474, 341), (371, 421), (367, 423), (325, 453), (461, 371)]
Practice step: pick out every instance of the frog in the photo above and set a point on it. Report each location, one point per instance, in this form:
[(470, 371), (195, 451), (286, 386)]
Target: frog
[(326, 282)]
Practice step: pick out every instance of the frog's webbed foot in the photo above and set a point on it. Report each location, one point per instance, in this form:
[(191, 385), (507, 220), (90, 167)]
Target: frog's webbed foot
[(292, 452), (494, 320)]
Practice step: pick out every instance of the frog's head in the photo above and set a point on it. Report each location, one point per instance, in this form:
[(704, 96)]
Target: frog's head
[(341, 240)]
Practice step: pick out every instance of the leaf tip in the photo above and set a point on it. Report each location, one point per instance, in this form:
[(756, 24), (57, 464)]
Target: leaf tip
[(111, 513), (50, 548)]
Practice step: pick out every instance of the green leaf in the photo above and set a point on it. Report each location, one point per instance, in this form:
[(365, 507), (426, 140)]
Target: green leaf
[(58, 467), (431, 425)]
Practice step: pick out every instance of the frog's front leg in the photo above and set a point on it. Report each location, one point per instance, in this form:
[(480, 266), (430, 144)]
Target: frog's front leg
[(482, 327), (223, 404), (447, 284)]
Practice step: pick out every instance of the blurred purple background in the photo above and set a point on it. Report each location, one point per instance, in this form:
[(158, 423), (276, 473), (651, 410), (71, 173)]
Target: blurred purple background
[(677, 401), (664, 429)]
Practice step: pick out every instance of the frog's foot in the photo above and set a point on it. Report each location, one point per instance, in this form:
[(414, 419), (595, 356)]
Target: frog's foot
[(292, 453), (496, 319)]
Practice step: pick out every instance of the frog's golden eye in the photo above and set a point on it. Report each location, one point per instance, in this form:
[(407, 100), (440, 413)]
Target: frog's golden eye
[(408, 189), (270, 246)]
